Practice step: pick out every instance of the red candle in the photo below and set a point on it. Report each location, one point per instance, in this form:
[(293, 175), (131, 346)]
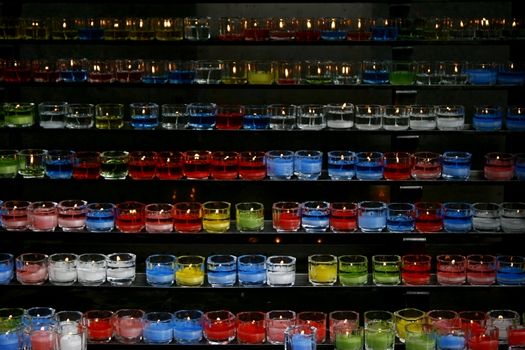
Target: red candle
[(481, 269), (426, 166), (187, 217), (343, 217), (250, 327), (451, 269), (516, 335), (228, 120), (99, 330), (130, 216), (428, 217), (308, 35), (499, 166), (252, 165), (142, 165), (315, 319), (169, 165), (358, 35), (480, 343), (196, 164), (231, 37), (224, 165), (415, 269), (219, 326), (42, 339), (286, 216), (256, 34), (397, 166)]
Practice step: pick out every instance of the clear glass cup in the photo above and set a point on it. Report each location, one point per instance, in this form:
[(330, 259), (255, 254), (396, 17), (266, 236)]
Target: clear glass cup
[(255, 117), (402, 73), (282, 117), (280, 164), (168, 29), (219, 326), (174, 116), (512, 216), (346, 73), (187, 326), (72, 70), (196, 164), (287, 73), (251, 269), (59, 164), (202, 115), (222, 270), (308, 164), (181, 72), (80, 116), (315, 319), (252, 165), (128, 325), (481, 269), (343, 217), (121, 268), (510, 270), (169, 165), (187, 217), (277, 321), (7, 264), (395, 117), (158, 328), (422, 117), (197, 28), (251, 327), (371, 216), (31, 268), (498, 166), (62, 269), (230, 117), (280, 270), (8, 164), (379, 335), (300, 336), (114, 165), (43, 216), (159, 217), (109, 116), (31, 163), (142, 165), (450, 117), (342, 318), (155, 72), (405, 317), (451, 269), (234, 72), (101, 71), (317, 72), (457, 217), (426, 166), (72, 214), (311, 117), (15, 215), (91, 269), (100, 217), (260, 72), (456, 165), (368, 117), (486, 217), (130, 70), (340, 116), (230, 29), (144, 115), (130, 216), (454, 73), (400, 217), (52, 115), (208, 71), (428, 73), (19, 115), (376, 72), (315, 216)]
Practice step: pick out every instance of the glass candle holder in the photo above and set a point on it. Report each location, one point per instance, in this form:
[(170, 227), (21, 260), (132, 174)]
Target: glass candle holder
[(515, 119), (276, 323), (486, 217), (38, 315), (197, 28), (117, 28), (43, 216), (62, 269), (371, 216), (196, 164), (129, 71), (422, 117), (502, 319), (202, 116), (428, 73), (44, 336), (129, 216), (347, 73), (376, 72), (174, 116), (481, 73), (216, 216), (251, 270), (249, 216), (31, 163), (282, 28), (359, 29), (101, 71), (59, 164), (317, 72), (187, 217), (31, 268), (144, 115), (487, 337), (386, 269), (100, 217), (14, 215), (109, 116), (52, 115), (395, 118), (207, 72), (379, 334), (481, 269), (255, 117), (473, 321), (142, 165), (415, 269), (400, 217), (6, 270), (90, 29), (64, 28), (353, 270), (510, 270), (251, 327), (340, 116), (8, 164), (17, 71), (160, 270), (182, 72), (450, 338), (332, 29), (230, 29), (280, 271), (91, 269), (167, 29), (155, 72), (252, 165), (498, 166), (233, 72), (512, 216), (311, 117), (368, 117), (19, 115), (307, 30), (426, 166), (287, 72), (456, 165), (341, 318), (286, 216), (322, 270), (457, 217), (315, 319), (301, 336), (308, 164), (402, 73), (255, 29), (450, 117), (187, 326), (159, 217), (343, 217), (190, 271), (511, 74), (397, 165), (222, 270), (279, 164), (11, 318), (341, 165), (224, 165), (282, 117), (405, 317), (158, 328), (451, 269), (347, 337), (121, 268), (229, 117), (80, 116), (219, 326), (487, 118), (369, 165), (260, 72), (315, 216), (72, 70), (384, 29), (128, 325)]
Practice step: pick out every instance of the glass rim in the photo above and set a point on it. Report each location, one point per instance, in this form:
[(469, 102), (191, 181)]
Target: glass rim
[(190, 259), (54, 256), (358, 258), (35, 257), (214, 315), (291, 260), (216, 205)]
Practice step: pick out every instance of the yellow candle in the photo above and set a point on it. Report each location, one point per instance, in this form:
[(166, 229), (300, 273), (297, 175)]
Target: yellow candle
[(323, 273), (216, 222), (260, 77), (189, 276)]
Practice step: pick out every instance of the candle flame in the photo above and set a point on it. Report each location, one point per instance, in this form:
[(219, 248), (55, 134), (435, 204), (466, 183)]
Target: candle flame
[(280, 317), (453, 262), (308, 24), (281, 23), (228, 28), (286, 73), (333, 24)]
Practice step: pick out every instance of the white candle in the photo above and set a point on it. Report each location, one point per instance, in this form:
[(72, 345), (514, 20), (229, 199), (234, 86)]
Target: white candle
[(70, 342), (91, 275), (62, 272)]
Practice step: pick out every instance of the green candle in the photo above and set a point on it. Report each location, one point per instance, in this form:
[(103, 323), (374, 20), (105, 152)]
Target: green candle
[(386, 274), (379, 335), (19, 115), (8, 167), (250, 221), (353, 274), (348, 341), (420, 342), (260, 77)]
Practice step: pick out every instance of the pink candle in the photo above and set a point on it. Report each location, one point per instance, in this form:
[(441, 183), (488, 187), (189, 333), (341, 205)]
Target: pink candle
[(42, 340), (128, 328), (159, 217), (43, 216), (14, 215), (31, 268), (72, 215), (499, 166)]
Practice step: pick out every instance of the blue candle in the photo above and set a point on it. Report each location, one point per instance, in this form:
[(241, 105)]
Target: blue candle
[(90, 33), (315, 216), (302, 342), (222, 270), (456, 165), (333, 35), (144, 121), (400, 223), (371, 216), (6, 268), (256, 121), (9, 340), (59, 169), (73, 76), (380, 76), (308, 164), (369, 166), (201, 120), (100, 217), (487, 118), (159, 332), (519, 167), (457, 217), (484, 75), (515, 119), (154, 78), (451, 342), (511, 75), (187, 327), (252, 270), (384, 32), (510, 270), (341, 165), (160, 275), (181, 76), (279, 164)]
